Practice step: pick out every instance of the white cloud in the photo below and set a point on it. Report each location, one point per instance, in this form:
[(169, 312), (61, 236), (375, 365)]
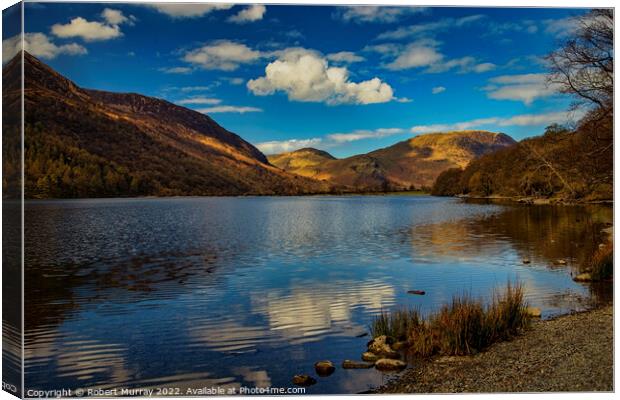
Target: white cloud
[(517, 120), (425, 53), (188, 10), (379, 14), (39, 45), (250, 14), (89, 31), (228, 109), (403, 100), (422, 53), (304, 75), (347, 57), (176, 70), (561, 27), (429, 28), (116, 17), (438, 89), (199, 100), (235, 81), (525, 88), (224, 55), (284, 146), (462, 65), (364, 134)]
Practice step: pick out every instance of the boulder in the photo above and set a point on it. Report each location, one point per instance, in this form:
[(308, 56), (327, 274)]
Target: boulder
[(560, 262), (369, 356), (420, 292), (533, 312), (324, 368), (381, 346), (526, 261), (303, 380), (585, 277), (350, 364), (388, 364)]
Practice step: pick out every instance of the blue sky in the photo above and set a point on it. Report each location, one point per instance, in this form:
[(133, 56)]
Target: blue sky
[(345, 79)]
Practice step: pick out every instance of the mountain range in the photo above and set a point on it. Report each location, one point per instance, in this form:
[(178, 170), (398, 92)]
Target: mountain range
[(91, 143), (413, 163)]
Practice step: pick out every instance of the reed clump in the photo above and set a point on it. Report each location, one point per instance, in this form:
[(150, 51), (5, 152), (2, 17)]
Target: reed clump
[(464, 326), (601, 264)]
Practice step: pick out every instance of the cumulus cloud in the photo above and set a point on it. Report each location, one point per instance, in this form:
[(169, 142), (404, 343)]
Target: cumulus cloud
[(39, 45), (89, 31), (116, 17), (542, 119), (525, 88), (229, 109), (224, 55), (199, 100), (250, 14), (379, 14), (438, 89), (364, 134), (425, 53), (304, 75), (327, 141), (187, 10), (421, 53), (347, 57), (283, 146), (429, 28)]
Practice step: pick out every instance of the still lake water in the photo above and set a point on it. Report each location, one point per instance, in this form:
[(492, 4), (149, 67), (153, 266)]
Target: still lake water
[(195, 292)]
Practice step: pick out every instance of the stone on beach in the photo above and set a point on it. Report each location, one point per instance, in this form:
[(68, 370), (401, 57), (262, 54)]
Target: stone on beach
[(533, 312), (324, 368), (350, 364), (381, 346), (388, 364), (303, 380), (370, 356), (585, 277)]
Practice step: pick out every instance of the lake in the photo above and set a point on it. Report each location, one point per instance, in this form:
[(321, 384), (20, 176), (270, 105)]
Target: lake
[(195, 292)]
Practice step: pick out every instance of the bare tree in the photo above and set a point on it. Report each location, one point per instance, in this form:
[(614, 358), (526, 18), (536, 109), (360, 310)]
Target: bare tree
[(584, 65)]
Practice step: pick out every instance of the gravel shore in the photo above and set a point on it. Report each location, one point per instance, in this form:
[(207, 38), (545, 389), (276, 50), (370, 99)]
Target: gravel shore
[(569, 353)]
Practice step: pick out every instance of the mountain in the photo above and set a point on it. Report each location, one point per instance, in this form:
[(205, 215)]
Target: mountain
[(305, 162), (411, 163), (91, 143)]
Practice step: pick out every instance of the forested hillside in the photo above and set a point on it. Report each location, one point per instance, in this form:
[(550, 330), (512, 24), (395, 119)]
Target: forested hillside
[(565, 162)]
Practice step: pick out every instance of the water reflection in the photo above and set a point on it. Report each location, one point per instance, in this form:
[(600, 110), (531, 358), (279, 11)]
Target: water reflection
[(195, 292)]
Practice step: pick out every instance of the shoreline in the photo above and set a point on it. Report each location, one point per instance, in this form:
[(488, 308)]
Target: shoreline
[(553, 355)]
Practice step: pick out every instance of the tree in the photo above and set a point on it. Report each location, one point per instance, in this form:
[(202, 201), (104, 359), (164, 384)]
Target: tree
[(584, 65)]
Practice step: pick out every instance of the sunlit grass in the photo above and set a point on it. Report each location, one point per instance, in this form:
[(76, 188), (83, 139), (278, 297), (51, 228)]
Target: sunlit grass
[(464, 326)]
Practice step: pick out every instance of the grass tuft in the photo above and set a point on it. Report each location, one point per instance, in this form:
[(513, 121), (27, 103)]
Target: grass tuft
[(602, 263), (465, 326)]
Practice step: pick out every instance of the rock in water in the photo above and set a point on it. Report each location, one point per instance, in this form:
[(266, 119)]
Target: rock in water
[(526, 261), (585, 277), (350, 364), (381, 346), (303, 380), (533, 312), (324, 368), (369, 356), (388, 364), (420, 292)]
